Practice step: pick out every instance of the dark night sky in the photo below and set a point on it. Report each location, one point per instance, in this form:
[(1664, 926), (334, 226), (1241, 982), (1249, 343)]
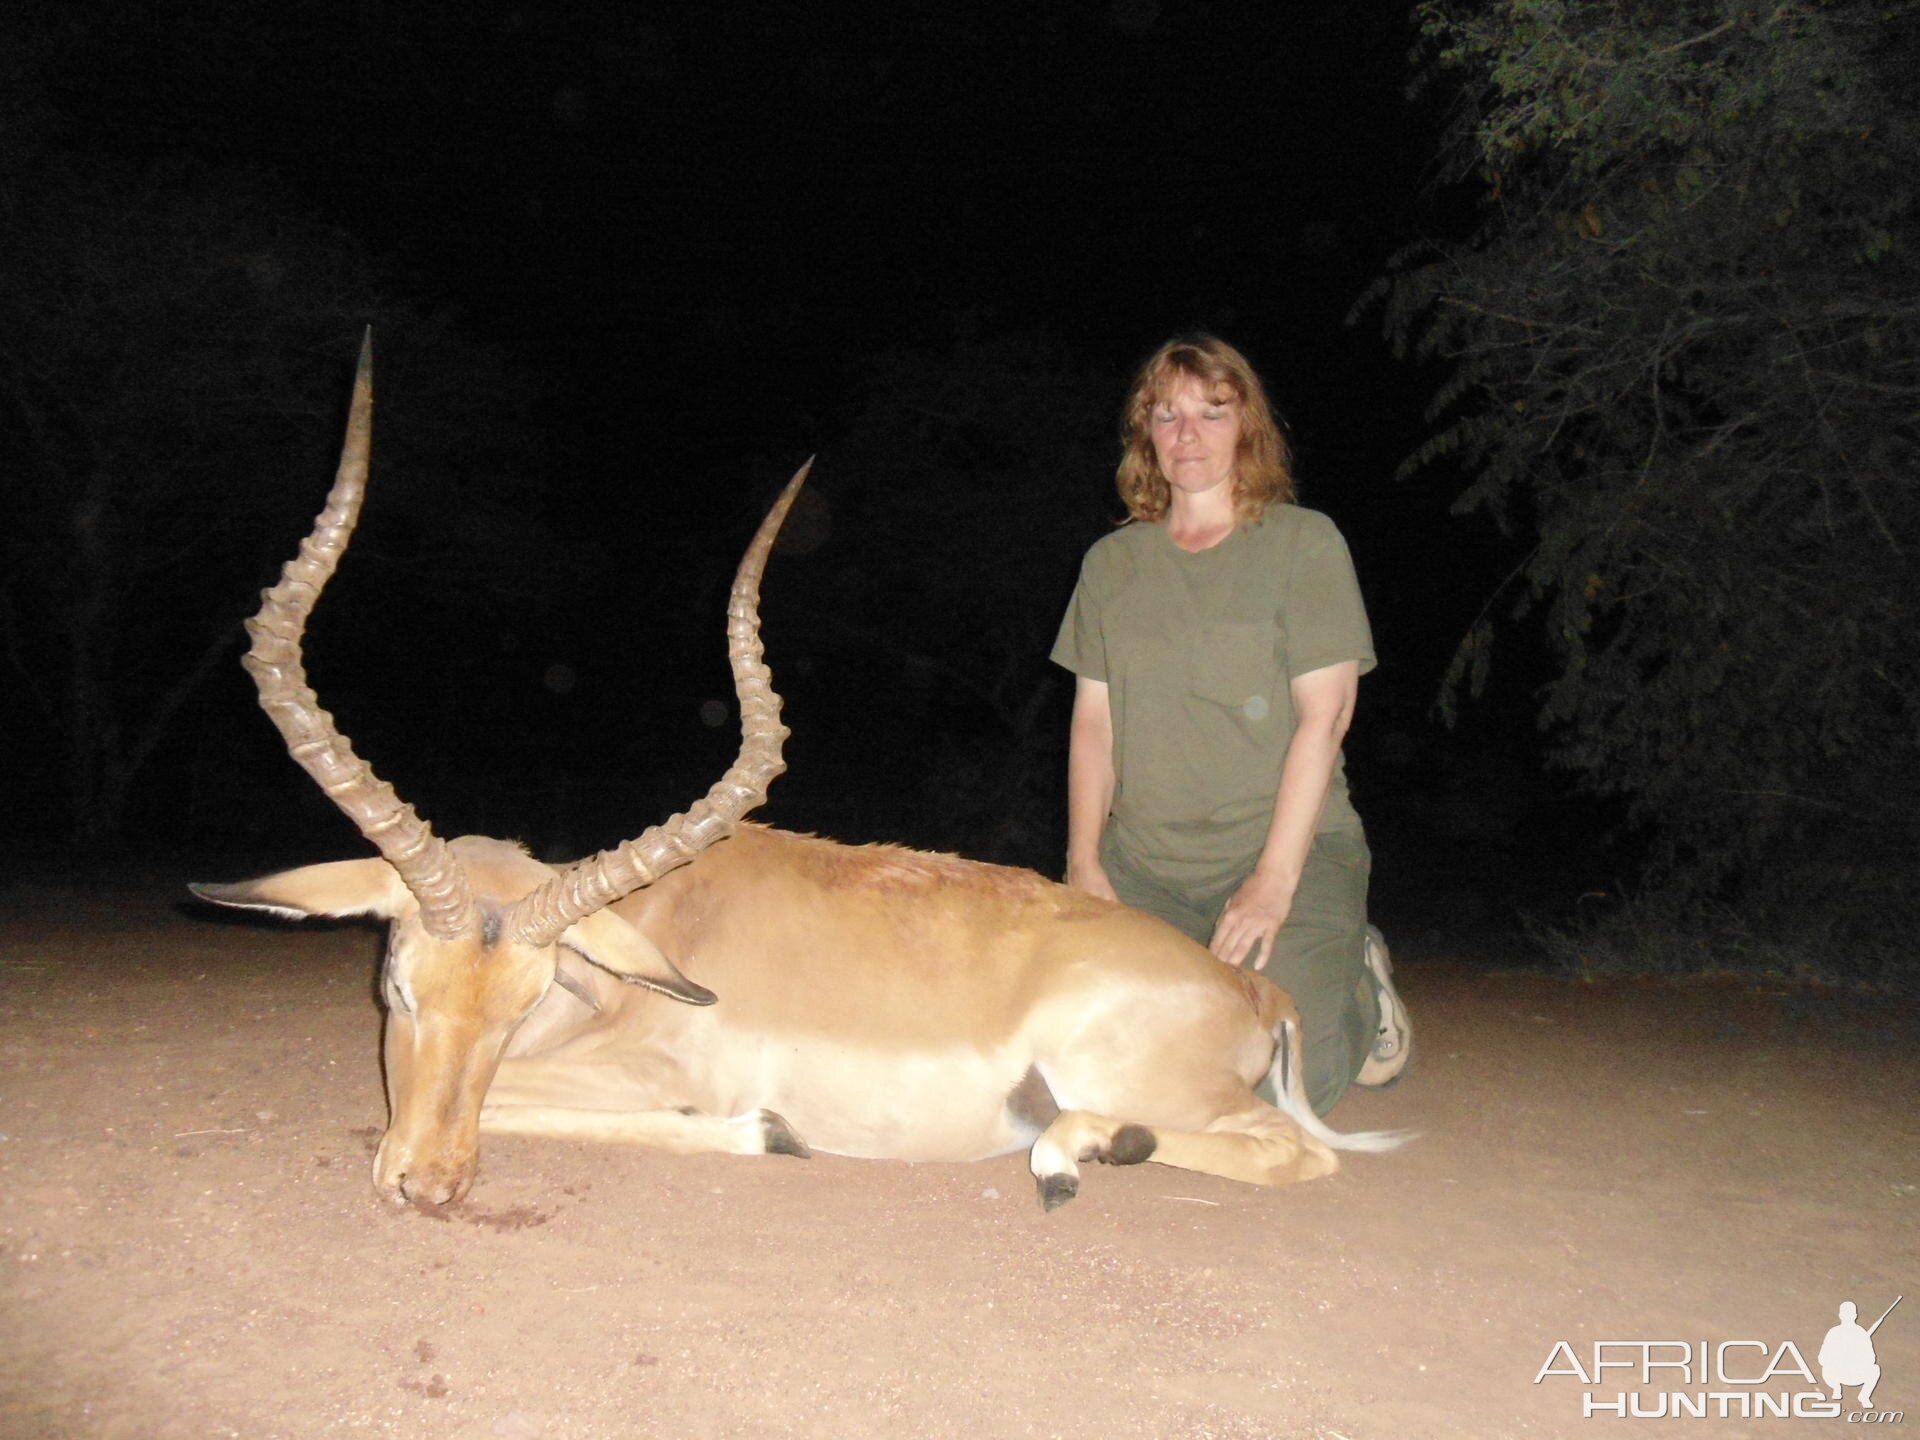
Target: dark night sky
[(712, 229), (777, 190)]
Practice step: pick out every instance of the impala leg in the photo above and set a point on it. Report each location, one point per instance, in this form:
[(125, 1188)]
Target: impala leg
[(1077, 1135), (1257, 1145), (624, 1104), (682, 1132)]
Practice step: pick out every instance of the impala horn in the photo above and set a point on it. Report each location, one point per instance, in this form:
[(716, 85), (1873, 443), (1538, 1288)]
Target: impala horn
[(274, 660), (599, 880), (422, 859)]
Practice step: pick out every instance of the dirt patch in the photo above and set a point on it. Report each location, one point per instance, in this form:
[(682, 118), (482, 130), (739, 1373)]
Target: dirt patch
[(190, 1246)]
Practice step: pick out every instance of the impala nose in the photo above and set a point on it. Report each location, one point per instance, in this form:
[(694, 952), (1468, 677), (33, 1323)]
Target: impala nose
[(405, 1179), (434, 1190)]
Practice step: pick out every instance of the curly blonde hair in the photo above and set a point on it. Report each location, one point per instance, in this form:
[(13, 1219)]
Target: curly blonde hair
[(1263, 464)]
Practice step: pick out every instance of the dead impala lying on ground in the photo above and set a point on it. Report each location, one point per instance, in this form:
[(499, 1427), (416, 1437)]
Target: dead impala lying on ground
[(779, 991)]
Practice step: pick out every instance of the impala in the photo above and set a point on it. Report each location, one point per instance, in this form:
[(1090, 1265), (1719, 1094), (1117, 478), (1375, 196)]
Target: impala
[(713, 985)]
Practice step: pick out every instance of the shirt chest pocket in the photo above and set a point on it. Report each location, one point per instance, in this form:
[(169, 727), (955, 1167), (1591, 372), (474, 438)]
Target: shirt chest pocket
[(1238, 667)]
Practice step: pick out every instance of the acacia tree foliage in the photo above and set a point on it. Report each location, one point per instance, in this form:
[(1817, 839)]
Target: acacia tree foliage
[(1682, 352)]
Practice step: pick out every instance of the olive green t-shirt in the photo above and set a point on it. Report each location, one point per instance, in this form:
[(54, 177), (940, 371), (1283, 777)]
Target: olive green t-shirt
[(1198, 650)]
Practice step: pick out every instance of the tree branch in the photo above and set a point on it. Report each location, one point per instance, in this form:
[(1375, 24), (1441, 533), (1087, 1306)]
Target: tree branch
[(1700, 39)]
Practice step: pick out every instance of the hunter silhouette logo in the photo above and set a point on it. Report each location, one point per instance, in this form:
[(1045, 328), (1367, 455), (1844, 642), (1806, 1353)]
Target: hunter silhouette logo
[(1846, 1355), (1731, 1379)]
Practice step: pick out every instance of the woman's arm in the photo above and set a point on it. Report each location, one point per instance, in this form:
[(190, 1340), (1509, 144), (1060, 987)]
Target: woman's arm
[(1323, 702), (1089, 786)]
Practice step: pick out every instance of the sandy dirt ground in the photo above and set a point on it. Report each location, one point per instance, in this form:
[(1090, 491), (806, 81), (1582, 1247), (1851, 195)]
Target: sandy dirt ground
[(190, 1246)]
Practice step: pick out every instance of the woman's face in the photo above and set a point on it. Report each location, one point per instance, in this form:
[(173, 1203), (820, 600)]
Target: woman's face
[(1195, 439)]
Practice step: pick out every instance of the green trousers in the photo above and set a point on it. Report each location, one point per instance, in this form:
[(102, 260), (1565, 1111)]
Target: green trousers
[(1319, 956)]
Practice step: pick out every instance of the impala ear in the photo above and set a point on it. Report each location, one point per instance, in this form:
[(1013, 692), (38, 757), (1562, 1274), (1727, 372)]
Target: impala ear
[(342, 887), (614, 945)]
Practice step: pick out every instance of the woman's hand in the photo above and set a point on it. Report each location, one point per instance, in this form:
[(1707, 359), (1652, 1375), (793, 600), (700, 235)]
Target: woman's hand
[(1323, 703), (1091, 877), (1252, 918)]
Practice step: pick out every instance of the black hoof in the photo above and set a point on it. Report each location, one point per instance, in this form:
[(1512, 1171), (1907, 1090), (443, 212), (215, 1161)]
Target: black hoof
[(1056, 1190), (779, 1137), (1130, 1145)]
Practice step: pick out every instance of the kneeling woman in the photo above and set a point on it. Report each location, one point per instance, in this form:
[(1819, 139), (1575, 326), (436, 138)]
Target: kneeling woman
[(1218, 638)]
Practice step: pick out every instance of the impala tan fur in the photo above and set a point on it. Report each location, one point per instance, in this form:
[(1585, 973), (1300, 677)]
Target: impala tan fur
[(720, 986)]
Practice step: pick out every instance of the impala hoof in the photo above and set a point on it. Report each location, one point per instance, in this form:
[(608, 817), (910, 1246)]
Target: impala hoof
[(1130, 1145), (778, 1137), (1056, 1190)]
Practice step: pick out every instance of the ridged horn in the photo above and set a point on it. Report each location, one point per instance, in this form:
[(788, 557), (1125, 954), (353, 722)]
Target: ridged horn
[(275, 662), (596, 882)]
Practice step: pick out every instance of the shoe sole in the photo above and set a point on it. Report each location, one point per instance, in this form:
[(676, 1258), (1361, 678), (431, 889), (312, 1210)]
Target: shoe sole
[(1384, 976)]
